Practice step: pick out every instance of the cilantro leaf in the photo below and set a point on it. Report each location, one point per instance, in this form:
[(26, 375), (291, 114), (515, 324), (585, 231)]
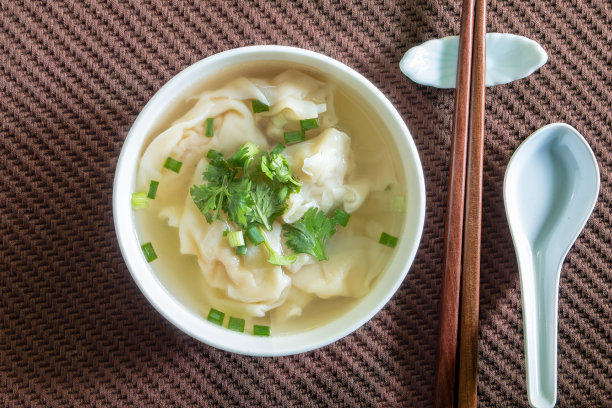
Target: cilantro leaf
[(221, 192), (309, 234), (214, 155), (276, 168), (254, 195), (207, 198), (246, 152), (267, 205), (216, 171), (238, 201), (277, 259)]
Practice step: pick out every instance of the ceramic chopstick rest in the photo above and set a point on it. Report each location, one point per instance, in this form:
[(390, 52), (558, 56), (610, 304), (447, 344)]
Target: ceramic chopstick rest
[(509, 57)]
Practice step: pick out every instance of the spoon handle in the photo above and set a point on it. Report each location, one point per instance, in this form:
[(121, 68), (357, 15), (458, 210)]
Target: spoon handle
[(540, 301)]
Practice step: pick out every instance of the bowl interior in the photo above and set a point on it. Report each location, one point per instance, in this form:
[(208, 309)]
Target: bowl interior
[(194, 323)]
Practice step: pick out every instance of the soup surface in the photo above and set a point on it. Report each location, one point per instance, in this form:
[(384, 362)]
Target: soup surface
[(346, 163)]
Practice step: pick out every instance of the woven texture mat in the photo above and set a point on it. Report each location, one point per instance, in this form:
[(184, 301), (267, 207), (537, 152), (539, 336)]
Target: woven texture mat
[(76, 331)]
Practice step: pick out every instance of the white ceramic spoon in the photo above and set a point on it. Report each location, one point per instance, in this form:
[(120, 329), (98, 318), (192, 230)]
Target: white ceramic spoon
[(550, 189)]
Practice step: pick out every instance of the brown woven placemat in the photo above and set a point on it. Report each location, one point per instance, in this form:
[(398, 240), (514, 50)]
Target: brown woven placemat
[(76, 331)]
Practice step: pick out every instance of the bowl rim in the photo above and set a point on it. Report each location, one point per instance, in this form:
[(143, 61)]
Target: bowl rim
[(145, 277)]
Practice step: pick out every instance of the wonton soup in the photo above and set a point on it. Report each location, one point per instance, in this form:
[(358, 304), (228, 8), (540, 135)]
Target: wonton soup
[(277, 199)]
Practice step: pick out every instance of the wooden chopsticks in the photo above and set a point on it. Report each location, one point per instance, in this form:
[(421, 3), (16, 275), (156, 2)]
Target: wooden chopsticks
[(462, 222)]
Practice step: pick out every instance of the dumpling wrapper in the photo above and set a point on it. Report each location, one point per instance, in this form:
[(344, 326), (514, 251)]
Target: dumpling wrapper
[(247, 279), (354, 262), (324, 166)]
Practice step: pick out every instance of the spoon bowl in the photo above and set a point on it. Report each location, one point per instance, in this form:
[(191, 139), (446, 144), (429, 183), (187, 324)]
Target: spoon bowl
[(550, 188)]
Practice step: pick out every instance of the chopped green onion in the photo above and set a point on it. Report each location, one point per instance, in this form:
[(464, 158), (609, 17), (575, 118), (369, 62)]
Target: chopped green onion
[(307, 124), (259, 106), (388, 188), (341, 217), (295, 136), (388, 240), (235, 239), (236, 324), (241, 250), (398, 203), (172, 164), (215, 316), (153, 189), (225, 232), (140, 200), (255, 235), (209, 132), (260, 330), (277, 149), (149, 252)]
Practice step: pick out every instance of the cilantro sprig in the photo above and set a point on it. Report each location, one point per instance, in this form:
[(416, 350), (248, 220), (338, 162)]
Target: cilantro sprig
[(267, 206), (247, 197), (309, 234), (250, 189), (223, 192), (276, 170)]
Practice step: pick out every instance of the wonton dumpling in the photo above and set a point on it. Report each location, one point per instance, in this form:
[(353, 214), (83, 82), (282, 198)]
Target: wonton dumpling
[(185, 141), (236, 127), (183, 145), (248, 279), (322, 164), (239, 89), (352, 266), (296, 96), (296, 301)]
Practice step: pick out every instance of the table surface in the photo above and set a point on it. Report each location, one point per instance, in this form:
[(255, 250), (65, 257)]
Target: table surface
[(76, 331)]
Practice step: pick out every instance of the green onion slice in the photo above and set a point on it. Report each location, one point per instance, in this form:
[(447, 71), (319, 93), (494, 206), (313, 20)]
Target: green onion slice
[(260, 330), (388, 240), (153, 189), (341, 217), (235, 239), (241, 250), (209, 132), (277, 149), (295, 136), (236, 324), (215, 316), (149, 252), (255, 235), (307, 124), (140, 200), (173, 164), (259, 106)]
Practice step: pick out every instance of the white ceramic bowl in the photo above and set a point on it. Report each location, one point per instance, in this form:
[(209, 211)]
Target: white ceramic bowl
[(192, 322)]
